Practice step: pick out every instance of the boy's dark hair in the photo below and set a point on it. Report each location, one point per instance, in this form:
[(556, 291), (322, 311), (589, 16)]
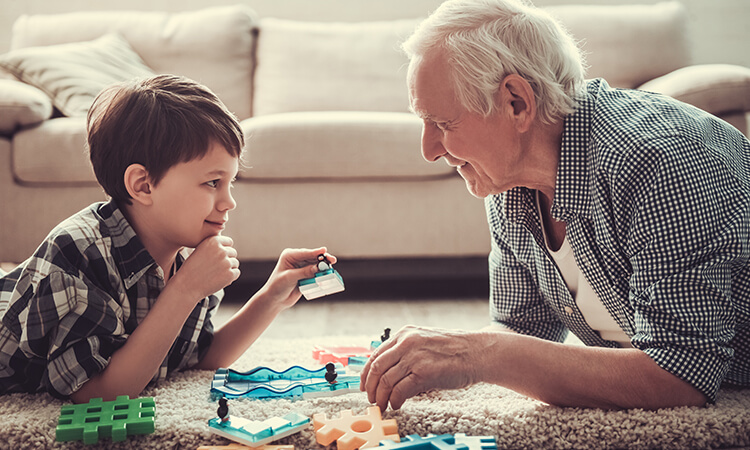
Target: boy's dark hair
[(157, 122)]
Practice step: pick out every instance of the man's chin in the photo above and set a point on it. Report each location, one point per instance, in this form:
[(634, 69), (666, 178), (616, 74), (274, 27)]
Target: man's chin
[(476, 191)]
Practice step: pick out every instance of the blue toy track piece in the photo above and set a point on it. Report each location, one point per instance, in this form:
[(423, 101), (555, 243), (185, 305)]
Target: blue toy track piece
[(117, 419), (442, 442), (295, 382)]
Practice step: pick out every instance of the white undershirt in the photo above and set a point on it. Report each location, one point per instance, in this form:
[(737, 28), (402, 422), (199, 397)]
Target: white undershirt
[(592, 309)]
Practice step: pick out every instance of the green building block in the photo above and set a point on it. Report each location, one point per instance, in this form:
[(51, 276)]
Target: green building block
[(96, 419)]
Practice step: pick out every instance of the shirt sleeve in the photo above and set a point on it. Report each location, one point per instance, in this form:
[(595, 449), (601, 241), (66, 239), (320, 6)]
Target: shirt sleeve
[(515, 299), (75, 327), (687, 235)]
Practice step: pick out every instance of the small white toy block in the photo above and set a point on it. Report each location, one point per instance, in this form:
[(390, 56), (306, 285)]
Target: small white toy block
[(326, 282), (256, 433)]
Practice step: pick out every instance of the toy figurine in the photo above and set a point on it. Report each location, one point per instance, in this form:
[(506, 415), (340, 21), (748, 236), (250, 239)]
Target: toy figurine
[(323, 263), (331, 373), (223, 410), (386, 334)]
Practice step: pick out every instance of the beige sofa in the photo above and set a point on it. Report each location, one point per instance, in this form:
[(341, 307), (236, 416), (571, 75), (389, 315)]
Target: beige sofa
[(333, 153)]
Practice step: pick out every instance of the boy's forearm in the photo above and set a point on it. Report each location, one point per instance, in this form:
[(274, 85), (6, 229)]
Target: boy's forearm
[(241, 331), (133, 365)]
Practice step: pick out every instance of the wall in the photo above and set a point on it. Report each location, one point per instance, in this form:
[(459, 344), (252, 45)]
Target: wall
[(718, 27)]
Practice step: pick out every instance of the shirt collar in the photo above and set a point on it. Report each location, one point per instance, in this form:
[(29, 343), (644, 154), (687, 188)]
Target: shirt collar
[(132, 258), (572, 196)]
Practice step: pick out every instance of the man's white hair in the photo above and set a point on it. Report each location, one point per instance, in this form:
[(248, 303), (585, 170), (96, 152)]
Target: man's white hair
[(486, 40)]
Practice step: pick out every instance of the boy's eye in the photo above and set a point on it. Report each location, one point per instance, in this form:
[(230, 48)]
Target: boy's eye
[(213, 183)]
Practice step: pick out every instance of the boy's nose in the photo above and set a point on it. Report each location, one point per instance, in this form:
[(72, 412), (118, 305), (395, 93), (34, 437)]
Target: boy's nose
[(227, 203)]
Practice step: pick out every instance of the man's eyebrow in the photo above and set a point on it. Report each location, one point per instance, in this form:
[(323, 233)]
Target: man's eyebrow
[(421, 114)]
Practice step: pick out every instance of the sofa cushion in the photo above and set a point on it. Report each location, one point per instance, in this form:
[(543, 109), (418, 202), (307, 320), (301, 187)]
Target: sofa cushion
[(73, 74), (716, 88), (318, 66), (337, 145), (53, 153), (21, 105), (213, 46), (629, 44)]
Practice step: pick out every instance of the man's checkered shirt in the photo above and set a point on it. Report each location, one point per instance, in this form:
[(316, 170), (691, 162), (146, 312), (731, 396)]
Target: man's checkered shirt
[(70, 306), (656, 197)]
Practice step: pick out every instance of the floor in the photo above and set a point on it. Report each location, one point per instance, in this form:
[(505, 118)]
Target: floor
[(330, 317)]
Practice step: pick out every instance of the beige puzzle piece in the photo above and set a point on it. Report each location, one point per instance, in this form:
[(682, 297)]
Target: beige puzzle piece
[(352, 432)]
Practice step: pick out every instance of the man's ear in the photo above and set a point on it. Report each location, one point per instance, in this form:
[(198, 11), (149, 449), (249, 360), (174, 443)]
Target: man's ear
[(138, 184), (516, 98)]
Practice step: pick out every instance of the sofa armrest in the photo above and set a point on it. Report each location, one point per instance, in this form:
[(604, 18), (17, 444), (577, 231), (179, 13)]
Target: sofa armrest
[(715, 88), (21, 105)]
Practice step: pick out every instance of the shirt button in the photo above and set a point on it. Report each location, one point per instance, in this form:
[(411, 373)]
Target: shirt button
[(569, 310)]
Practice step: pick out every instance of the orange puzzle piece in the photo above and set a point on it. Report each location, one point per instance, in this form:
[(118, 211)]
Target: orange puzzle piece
[(352, 432), (324, 354)]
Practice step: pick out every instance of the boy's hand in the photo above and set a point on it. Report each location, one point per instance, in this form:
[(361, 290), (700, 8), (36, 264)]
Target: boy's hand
[(211, 267), (294, 264)]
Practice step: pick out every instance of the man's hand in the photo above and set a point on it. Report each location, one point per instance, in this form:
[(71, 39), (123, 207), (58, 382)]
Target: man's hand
[(211, 267), (416, 360), (294, 264)]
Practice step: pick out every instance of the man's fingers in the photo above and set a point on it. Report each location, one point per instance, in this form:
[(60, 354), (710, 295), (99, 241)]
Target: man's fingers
[(381, 362), (405, 389)]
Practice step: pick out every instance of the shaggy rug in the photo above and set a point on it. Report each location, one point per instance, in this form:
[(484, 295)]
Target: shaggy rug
[(183, 408)]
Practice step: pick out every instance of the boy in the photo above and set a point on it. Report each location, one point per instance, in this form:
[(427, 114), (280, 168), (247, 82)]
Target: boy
[(111, 301)]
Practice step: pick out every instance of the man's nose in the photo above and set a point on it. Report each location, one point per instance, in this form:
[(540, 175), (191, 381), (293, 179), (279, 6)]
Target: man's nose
[(432, 148)]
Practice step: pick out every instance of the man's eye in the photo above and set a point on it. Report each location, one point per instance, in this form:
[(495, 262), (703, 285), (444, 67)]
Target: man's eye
[(442, 126)]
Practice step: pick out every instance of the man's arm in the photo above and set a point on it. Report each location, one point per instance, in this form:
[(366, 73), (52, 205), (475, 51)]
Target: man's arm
[(416, 360)]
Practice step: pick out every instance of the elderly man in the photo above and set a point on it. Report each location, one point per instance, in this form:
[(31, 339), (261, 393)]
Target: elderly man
[(620, 215)]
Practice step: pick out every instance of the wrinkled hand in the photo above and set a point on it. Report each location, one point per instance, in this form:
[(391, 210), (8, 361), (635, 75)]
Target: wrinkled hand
[(211, 267), (294, 264), (416, 360)]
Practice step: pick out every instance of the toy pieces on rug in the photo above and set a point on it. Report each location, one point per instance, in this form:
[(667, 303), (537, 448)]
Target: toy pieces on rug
[(245, 447), (325, 354), (326, 282), (257, 433), (295, 382), (96, 419), (459, 441), (351, 432)]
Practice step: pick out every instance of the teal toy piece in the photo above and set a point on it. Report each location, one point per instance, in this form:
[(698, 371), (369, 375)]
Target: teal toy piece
[(294, 382), (96, 419), (325, 282), (458, 441), (256, 433)]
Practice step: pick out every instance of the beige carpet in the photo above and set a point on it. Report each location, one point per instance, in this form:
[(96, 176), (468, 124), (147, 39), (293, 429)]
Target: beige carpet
[(183, 409)]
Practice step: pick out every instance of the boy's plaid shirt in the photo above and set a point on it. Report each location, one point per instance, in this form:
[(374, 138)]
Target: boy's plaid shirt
[(656, 197), (70, 306)]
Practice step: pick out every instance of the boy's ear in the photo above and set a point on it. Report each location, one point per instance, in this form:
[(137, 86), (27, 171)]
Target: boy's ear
[(138, 184), (516, 98)]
